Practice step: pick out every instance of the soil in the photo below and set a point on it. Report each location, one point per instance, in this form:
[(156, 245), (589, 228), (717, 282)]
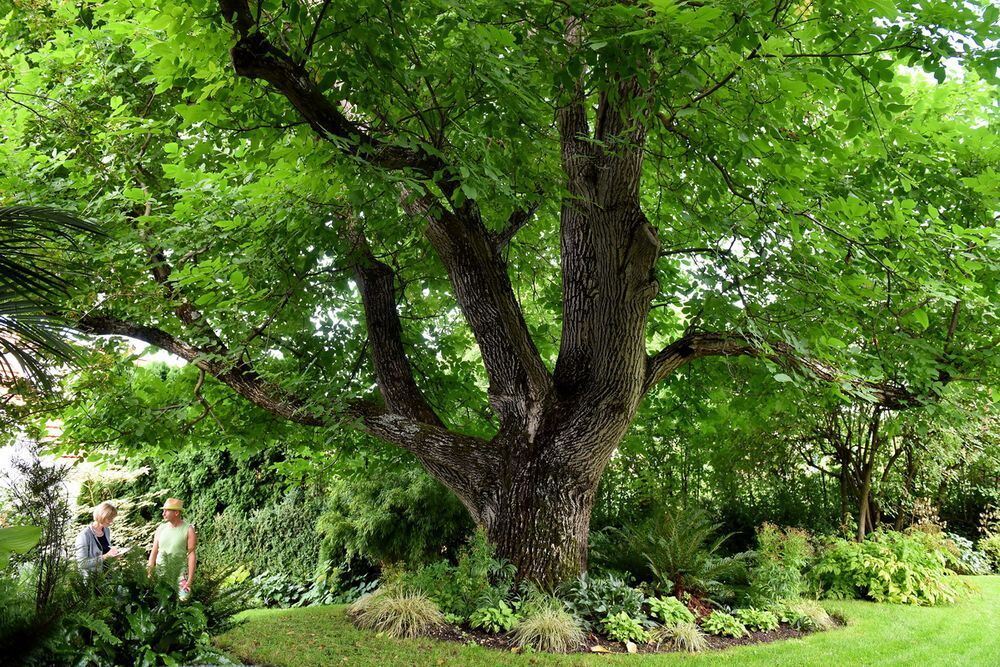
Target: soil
[(505, 643)]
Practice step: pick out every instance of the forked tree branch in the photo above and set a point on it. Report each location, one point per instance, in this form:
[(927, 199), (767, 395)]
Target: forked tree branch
[(478, 275)]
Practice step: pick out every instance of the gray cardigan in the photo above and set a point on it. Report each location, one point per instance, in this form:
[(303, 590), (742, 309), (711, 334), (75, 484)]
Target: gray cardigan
[(88, 550)]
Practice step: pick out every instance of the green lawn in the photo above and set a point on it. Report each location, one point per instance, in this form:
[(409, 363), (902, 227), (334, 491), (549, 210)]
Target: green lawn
[(967, 634)]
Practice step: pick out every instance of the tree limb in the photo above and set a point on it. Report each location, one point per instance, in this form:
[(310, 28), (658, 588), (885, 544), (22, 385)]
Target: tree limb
[(392, 367), (256, 57), (696, 345), (462, 462), (515, 222)]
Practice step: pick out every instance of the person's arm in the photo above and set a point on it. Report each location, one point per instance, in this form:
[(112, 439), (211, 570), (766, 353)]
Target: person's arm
[(153, 553), (192, 558), (113, 551), (83, 557)]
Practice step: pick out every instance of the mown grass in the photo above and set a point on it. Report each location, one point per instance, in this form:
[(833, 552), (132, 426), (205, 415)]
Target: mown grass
[(966, 633)]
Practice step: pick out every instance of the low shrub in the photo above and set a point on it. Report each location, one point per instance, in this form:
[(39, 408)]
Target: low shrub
[(275, 589), (806, 615), (670, 610), (757, 619), (890, 566), (549, 629), (396, 515), (122, 616), (724, 625), (396, 612), (990, 546), (594, 599), (686, 637), (966, 559), (624, 628), (477, 580), (681, 546), (498, 618), (780, 559)]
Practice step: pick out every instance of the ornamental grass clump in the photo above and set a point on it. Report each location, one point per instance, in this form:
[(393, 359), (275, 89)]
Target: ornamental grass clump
[(549, 629), (684, 636), (397, 613), (806, 615)]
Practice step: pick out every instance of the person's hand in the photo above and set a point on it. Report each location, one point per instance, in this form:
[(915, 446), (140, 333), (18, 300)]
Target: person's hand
[(114, 553)]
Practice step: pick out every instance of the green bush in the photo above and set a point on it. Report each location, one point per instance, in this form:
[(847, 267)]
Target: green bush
[(757, 619), (670, 610), (780, 560), (594, 599), (686, 637), (497, 618), (477, 580), (278, 537), (549, 629), (889, 566), (990, 545), (622, 627), (723, 624), (122, 616), (396, 612), (395, 516)]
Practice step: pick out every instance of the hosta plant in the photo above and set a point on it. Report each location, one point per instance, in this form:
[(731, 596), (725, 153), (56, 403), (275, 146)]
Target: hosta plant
[(592, 599), (499, 618), (669, 610), (624, 628), (724, 625), (757, 619)]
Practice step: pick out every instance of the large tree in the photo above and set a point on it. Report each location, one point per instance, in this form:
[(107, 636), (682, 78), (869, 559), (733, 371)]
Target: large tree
[(585, 197)]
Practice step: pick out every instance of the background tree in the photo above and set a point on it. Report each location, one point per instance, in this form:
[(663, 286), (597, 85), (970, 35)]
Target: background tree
[(486, 233)]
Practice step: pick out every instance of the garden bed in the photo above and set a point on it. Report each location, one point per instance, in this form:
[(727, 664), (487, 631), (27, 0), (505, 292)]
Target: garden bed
[(880, 634), (452, 633)]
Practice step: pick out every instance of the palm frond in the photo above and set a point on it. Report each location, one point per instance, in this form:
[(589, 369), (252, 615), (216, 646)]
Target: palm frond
[(34, 278)]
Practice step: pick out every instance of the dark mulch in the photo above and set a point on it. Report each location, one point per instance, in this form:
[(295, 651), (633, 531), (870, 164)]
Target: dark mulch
[(504, 642)]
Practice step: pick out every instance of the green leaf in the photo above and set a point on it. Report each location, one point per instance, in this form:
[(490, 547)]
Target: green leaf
[(17, 539), (782, 377)]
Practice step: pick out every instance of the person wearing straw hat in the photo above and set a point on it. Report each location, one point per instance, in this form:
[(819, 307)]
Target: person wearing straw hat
[(175, 539)]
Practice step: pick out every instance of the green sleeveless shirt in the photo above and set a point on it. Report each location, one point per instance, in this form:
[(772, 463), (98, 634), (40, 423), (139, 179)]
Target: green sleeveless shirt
[(173, 541)]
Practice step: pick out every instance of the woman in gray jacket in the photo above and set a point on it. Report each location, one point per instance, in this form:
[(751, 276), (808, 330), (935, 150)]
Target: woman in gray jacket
[(93, 544)]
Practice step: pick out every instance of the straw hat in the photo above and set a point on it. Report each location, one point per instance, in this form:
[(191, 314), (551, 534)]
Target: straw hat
[(174, 504)]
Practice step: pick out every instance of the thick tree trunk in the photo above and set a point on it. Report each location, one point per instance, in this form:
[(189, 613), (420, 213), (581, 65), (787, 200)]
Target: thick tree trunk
[(537, 513), (541, 524)]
